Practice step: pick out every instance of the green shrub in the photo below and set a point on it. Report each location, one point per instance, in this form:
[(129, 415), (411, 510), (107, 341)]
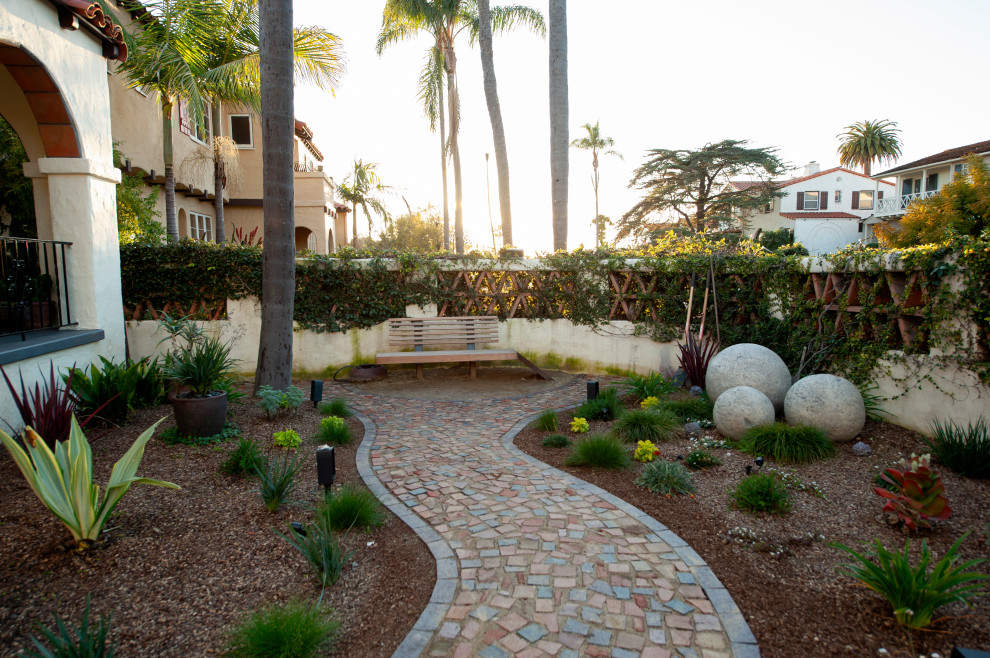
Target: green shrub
[(273, 401), (760, 492), (965, 451), (599, 451), (335, 430), (277, 480), (914, 592), (665, 477), (106, 390), (648, 425), (336, 407), (350, 507), (547, 421), (171, 436), (245, 459), (605, 407), (287, 438), (321, 549), (149, 389), (788, 444), (70, 642), (652, 385), (293, 630), (556, 441), (698, 459), (694, 408)]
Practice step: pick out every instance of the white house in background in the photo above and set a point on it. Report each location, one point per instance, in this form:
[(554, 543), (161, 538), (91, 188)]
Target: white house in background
[(924, 178), (827, 210)]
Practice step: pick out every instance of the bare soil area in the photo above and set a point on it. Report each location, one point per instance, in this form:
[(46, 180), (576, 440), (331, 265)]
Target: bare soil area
[(795, 602), (178, 568)]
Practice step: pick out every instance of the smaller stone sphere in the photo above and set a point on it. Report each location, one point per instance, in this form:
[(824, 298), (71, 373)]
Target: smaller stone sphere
[(748, 364), (832, 404), (740, 408)]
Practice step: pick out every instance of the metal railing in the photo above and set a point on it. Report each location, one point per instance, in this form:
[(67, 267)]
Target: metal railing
[(303, 166), (897, 205), (34, 290)]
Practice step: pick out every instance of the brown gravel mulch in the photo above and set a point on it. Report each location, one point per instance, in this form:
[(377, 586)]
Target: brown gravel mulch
[(796, 603), (179, 568)]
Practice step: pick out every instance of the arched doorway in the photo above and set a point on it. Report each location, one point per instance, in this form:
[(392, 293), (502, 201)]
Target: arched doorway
[(305, 239), (17, 214), (331, 245)]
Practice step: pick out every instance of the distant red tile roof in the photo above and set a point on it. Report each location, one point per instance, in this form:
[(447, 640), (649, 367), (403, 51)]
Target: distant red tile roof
[(978, 148), (304, 133), (92, 13), (819, 215), (339, 207), (746, 184)]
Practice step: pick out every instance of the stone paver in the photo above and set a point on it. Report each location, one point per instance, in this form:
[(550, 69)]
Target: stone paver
[(532, 561)]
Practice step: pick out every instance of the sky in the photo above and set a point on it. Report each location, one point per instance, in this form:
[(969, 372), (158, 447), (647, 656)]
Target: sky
[(656, 74)]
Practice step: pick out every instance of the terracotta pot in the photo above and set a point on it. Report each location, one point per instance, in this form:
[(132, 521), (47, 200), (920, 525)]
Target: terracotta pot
[(200, 416)]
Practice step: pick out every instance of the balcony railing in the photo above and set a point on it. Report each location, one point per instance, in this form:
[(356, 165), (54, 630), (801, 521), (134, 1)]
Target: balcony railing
[(34, 290), (897, 205), (303, 166)]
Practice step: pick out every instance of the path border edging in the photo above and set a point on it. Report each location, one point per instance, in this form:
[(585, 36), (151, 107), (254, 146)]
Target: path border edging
[(743, 641), (448, 571)]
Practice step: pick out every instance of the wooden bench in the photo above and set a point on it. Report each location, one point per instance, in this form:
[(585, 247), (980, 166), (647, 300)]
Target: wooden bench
[(472, 331)]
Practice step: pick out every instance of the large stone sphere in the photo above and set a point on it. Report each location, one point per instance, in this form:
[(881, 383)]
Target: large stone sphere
[(748, 364), (832, 404), (740, 408)]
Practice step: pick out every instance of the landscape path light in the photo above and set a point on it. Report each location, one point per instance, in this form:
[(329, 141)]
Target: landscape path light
[(316, 391)]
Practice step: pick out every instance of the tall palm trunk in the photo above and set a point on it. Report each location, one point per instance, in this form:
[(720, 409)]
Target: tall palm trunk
[(278, 265), (598, 216), (171, 225), (558, 121), (354, 226), (495, 114), (220, 233), (450, 65), (443, 169)]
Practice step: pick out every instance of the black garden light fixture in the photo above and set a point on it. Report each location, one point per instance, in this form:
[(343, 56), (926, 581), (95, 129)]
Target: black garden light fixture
[(326, 466), (592, 390), (759, 464), (316, 391), (299, 529)]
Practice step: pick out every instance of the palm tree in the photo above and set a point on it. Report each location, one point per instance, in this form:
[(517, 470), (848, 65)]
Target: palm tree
[(231, 72), (595, 143), (866, 142), (359, 188), (167, 59), (558, 121), (277, 135), (443, 20)]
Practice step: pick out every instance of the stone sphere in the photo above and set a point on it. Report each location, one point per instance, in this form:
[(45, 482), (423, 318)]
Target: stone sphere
[(832, 404), (748, 364), (740, 408)]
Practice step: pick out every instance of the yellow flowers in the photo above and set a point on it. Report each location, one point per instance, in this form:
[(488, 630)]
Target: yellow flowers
[(288, 438), (646, 451), (579, 425), (651, 401)]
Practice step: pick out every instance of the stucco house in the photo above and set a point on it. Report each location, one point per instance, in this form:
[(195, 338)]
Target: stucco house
[(923, 178), (826, 210), (54, 93)]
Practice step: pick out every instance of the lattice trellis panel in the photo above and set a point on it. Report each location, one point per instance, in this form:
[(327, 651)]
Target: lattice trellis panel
[(506, 294), (201, 309)]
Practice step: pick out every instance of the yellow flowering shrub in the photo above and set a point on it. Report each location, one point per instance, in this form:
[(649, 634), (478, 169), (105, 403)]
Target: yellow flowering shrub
[(579, 426), (646, 452), (651, 401)]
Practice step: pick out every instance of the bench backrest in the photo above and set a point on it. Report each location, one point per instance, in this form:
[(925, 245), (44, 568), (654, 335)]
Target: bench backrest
[(427, 332)]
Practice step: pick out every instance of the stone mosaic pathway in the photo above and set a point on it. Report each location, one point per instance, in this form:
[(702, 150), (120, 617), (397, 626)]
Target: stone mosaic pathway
[(530, 560)]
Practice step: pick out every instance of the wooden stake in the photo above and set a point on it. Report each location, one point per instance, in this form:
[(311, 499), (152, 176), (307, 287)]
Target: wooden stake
[(687, 321)]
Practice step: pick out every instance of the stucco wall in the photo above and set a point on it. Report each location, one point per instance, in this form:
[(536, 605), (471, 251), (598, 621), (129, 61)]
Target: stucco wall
[(825, 236)]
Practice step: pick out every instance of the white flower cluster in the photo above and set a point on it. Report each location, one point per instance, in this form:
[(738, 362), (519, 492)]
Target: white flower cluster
[(749, 538), (790, 479)]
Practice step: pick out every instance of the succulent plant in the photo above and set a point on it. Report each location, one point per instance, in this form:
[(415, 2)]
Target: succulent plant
[(917, 492)]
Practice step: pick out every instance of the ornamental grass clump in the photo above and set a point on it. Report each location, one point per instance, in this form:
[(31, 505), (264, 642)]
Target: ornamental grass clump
[(965, 450), (700, 459), (245, 459), (915, 494), (605, 407), (915, 592), (645, 386), (70, 642), (334, 430), (350, 507), (336, 407), (277, 481), (546, 421), (761, 492), (694, 408), (667, 478), (63, 479), (648, 425), (788, 444), (293, 630), (599, 451), (321, 549), (556, 441)]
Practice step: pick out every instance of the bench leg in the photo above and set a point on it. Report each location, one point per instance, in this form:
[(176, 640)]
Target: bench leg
[(474, 369), (419, 371)]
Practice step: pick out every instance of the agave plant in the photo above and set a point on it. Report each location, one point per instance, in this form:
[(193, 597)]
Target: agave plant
[(63, 479)]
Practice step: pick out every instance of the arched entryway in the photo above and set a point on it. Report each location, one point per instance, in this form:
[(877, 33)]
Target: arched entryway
[(331, 245), (305, 239)]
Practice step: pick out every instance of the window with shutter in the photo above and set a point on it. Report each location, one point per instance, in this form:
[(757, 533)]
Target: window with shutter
[(824, 201), (810, 201), (800, 201), (855, 200)]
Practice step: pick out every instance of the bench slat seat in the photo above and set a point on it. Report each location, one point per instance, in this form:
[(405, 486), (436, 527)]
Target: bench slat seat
[(471, 331)]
